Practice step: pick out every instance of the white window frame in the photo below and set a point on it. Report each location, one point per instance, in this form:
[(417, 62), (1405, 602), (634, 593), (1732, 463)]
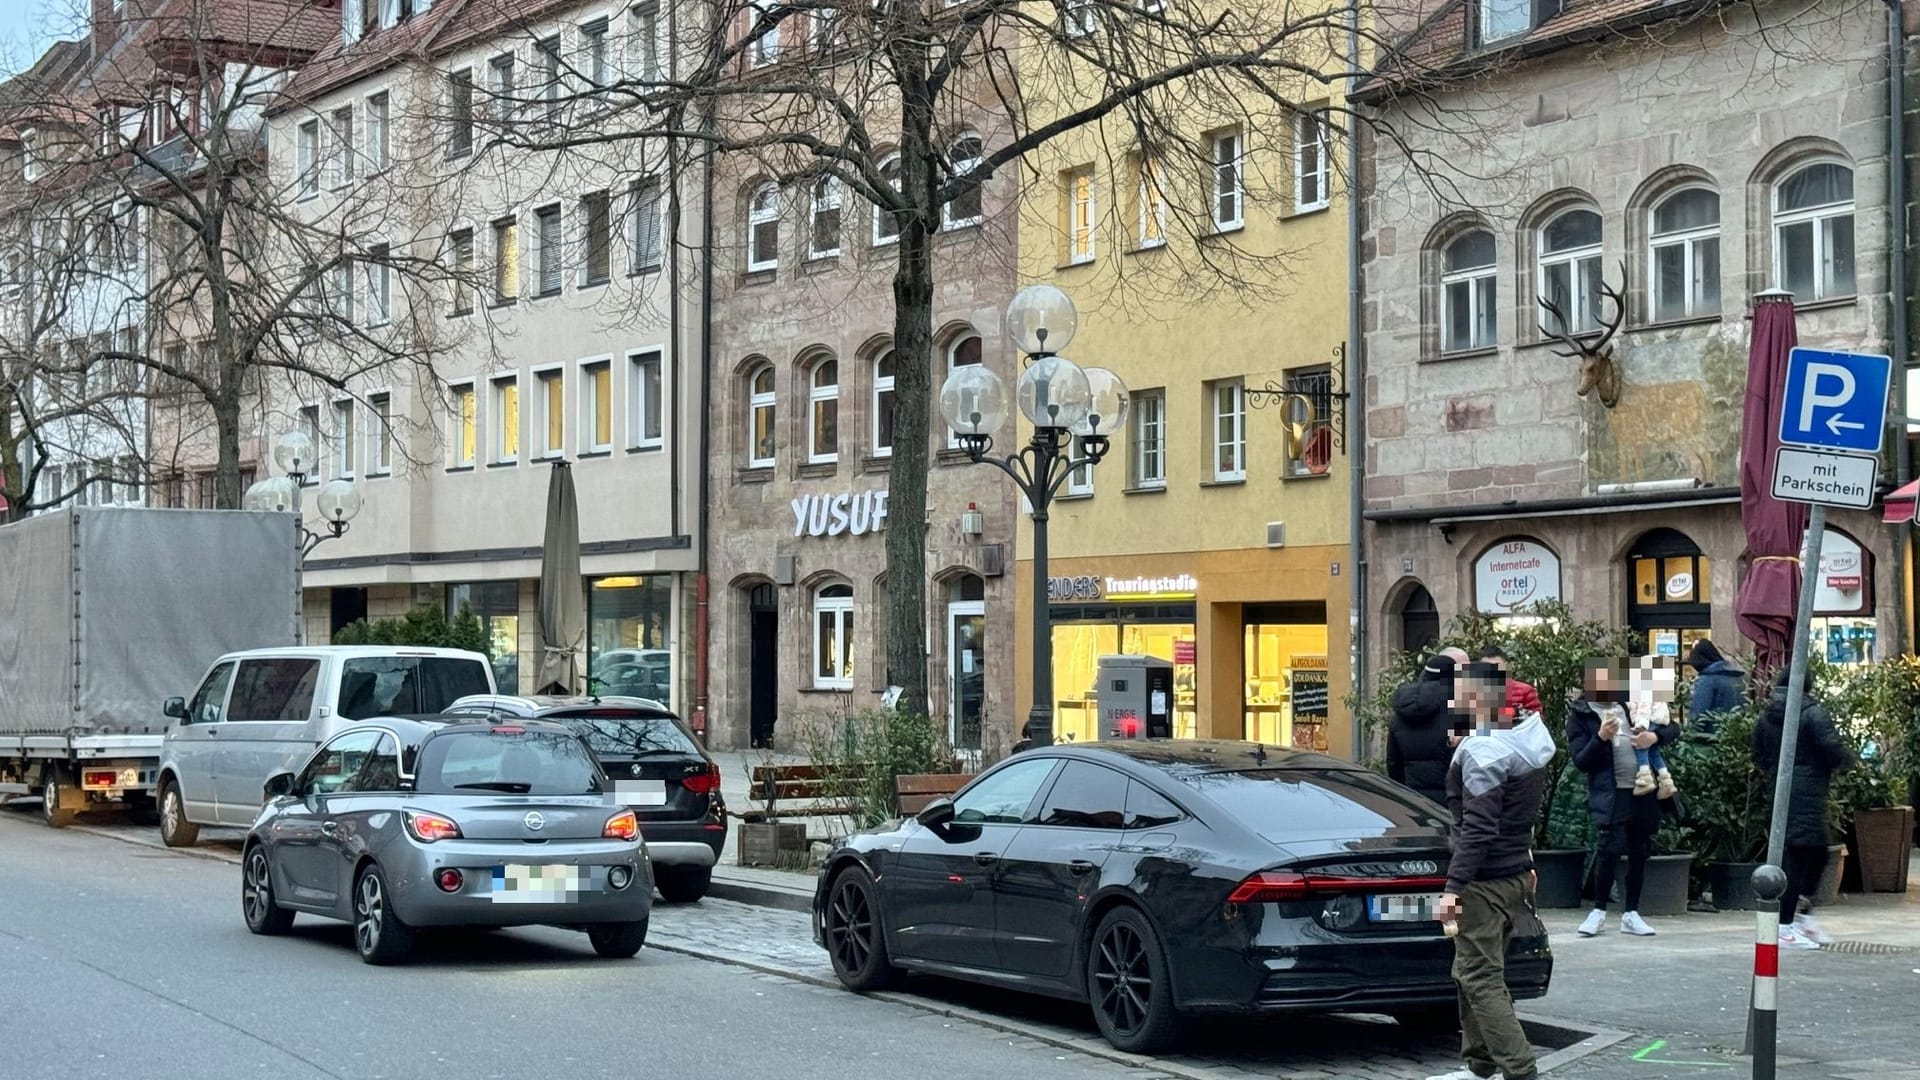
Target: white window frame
[(307, 158), (497, 450), (757, 400), (1688, 241), (340, 444), (765, 49), (1082, 216), (1584, 316), (1483, 291), (1219, 421), (953, 352), (589, 398), (883, 219), (1149, 439), (379, 284), (838, 612), (340, 147), (502, 244), (1153, 206), (596, 33), (1310, 133), (819, 398), (377, 137), (642, 404), (1228, 173), (1822, 219), (644, 210), (551, 379), (1485, 20), (882, 384), (828, 198), (643, 42), (458, 132), (30, 169), (963, 165), (340, 289), (379, 433), (464, 298), (757, 216), (550, 66), (502, 84), (461, 455), (586, 279), (1079, 481), (549, 247)]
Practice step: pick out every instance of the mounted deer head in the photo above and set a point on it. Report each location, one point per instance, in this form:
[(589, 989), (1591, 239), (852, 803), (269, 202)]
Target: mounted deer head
[(1598, 373)]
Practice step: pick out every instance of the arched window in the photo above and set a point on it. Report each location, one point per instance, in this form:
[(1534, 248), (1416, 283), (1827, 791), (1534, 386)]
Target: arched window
[(1671, 604), (965, 208), (1813, 232), (1684, 264), (885, 228), (964, 350), (823, 401), (823, 240), (760, 406), (1468, 293), (833, 637), (1570, 272), (1419, 620), (883, 404), (763, 228)]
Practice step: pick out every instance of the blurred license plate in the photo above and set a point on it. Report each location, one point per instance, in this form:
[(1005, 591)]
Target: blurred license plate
[(1417, 908), (514, 884), (641, 792)]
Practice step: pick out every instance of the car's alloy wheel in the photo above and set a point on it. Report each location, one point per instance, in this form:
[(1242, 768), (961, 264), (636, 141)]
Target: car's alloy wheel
[(175, 829), (256, 896), (378, 933), (1128, 984), (50, 796), (854, 936)]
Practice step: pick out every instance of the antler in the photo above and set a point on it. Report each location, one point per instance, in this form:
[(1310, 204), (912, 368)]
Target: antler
[(1608, 327)]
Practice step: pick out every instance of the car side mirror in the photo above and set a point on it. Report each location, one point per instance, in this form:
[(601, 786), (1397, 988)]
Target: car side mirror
[(175, 707), (279, 785), (937, 815)]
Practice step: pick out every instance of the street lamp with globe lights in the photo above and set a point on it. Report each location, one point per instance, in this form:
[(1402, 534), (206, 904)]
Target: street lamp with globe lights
[(1066, 404), (337, 500)]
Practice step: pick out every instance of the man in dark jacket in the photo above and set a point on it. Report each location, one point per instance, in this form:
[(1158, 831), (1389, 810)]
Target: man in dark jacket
[(1818, 754), (1495, 785), (1418, 743), (1717, 688)]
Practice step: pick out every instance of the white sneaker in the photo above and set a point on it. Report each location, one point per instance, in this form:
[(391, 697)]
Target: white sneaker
[(1809, 927), (1632, 923), (1791, 939), (1458, 1074), (1596, 919)]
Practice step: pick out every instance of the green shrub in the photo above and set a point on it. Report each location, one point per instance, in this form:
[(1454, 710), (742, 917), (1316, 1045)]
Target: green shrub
[(426, 626), (859, 755)]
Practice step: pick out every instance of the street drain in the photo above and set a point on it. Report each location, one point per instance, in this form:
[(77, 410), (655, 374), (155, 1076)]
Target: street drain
[(1867, 948)]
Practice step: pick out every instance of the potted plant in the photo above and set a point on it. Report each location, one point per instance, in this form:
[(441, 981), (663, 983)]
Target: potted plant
[(1560, 857), (765, 840), (1874, 709), (1727, 805)]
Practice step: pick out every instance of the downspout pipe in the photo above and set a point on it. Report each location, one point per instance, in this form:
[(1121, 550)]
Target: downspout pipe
[(703, 621), (1897, 323), (1354, 378)]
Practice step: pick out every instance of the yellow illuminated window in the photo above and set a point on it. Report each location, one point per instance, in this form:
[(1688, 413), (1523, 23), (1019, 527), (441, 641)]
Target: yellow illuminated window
[(507, 406), (553, 403), (1153, 205), (600, 405), (1080, 216), (464, 406)]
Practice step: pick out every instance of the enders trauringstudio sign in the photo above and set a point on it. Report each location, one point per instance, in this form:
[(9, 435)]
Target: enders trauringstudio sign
[(849, 513)]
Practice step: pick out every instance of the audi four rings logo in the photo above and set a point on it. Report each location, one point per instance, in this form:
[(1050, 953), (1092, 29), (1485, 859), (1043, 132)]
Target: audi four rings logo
[(1419, 869), (535, 821)]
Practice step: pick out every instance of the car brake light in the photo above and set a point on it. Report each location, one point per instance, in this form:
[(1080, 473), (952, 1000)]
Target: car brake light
[(705, 782), (509, 729), (427, 828), (1269, 887), (101, 778), (622, 826), (1278, 886)]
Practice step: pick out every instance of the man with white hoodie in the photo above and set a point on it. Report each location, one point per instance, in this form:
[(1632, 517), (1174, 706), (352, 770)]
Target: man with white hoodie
[(1495, 786)]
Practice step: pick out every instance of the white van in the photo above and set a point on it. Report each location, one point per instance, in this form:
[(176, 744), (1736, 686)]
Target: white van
[(263, 711)]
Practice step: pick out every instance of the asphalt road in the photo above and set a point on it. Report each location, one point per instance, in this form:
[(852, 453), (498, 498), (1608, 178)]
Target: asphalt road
[(126, 961)]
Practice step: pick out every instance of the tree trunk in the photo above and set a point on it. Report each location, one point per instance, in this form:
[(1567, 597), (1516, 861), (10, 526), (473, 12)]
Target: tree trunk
[(226, 426)]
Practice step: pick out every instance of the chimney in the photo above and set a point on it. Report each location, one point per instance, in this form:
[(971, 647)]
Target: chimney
[(106, 23)]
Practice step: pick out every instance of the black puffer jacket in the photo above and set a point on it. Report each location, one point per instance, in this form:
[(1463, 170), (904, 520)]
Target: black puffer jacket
[(1817, 755), (1418, 751)]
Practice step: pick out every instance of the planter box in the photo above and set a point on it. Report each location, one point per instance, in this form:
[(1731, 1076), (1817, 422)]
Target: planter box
[(1883, 843), (1562, 874), (1665, 891), (772, 843), (1732, 886)]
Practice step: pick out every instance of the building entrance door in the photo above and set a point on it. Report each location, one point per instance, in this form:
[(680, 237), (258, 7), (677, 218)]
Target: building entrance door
[(763, 664)]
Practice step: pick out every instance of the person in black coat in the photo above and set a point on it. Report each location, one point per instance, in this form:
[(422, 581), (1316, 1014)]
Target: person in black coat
[(1719, 687), (1420, 737), (1601, 743), (1818, 754)]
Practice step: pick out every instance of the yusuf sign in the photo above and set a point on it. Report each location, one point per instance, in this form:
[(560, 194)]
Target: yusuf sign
[(830, 515)]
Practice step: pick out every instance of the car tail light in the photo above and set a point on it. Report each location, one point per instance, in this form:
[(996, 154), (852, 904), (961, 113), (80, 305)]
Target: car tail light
[(98, 778), (622, 826), (427, 828), (703, 783), (449, 880), (509, 729), (1280, 886)]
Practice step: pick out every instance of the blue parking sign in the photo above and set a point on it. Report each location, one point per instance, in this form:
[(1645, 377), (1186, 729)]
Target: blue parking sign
[(1836, 400)]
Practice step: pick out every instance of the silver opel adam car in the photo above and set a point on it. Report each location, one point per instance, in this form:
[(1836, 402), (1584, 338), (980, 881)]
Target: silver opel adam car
[(399, 824)]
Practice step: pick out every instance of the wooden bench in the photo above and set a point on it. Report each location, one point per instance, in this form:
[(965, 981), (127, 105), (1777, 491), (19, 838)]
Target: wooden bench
[(915, 793), (809, 791)]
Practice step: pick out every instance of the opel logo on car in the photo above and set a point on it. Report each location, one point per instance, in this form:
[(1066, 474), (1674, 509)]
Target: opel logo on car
[(536, 821), (1419, 869)]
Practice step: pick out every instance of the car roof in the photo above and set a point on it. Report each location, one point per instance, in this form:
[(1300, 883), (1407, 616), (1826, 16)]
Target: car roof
[(533, 705), (352, 651), (416, 727), (1191, 756)]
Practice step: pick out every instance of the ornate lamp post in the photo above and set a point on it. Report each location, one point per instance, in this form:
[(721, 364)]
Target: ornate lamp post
[(337, 500), (1066, 404)]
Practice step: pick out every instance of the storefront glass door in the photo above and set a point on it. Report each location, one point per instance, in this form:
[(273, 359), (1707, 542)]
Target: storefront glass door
[(1287, 694), (966, 672)]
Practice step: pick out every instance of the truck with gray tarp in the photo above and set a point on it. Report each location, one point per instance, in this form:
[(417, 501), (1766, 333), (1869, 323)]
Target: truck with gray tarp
[(105, 612)]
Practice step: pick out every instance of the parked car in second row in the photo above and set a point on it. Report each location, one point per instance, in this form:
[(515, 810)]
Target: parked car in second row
[(399, 824)]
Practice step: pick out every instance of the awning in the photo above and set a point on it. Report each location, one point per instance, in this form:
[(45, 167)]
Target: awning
[(1899, 505)]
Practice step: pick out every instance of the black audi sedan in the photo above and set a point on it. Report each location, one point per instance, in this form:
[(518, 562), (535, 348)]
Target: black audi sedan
[(1158, 880)]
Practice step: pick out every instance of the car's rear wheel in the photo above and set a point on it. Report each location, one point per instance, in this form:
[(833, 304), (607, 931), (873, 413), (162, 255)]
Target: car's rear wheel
[(264, 916), (175, 829), (51, 793), (855, 939), (682, 884), (1129, 986), (378, 933), (1432, 1020), (618, 941)]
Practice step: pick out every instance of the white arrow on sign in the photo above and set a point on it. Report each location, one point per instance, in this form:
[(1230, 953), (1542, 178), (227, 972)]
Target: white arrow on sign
[(1834, 424)]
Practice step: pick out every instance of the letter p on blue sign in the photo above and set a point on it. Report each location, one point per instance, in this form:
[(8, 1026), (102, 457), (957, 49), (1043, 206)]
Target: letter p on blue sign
[(1836, 400)]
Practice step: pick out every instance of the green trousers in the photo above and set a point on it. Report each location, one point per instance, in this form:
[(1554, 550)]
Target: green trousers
[(1490, 1035)]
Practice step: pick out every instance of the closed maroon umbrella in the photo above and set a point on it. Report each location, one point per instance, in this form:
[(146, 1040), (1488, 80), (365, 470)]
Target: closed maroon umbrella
[(1770, 596)]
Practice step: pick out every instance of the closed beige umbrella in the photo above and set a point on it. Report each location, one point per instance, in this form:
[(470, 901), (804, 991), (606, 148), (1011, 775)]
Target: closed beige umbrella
[(563, 602)]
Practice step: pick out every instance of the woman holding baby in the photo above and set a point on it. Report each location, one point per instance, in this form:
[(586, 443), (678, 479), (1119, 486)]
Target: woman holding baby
[(1614, 732)]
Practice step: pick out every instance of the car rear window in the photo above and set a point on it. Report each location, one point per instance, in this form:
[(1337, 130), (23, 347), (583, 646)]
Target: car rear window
[(625, 732), (523, 763), (373, 686), (1317, 802)]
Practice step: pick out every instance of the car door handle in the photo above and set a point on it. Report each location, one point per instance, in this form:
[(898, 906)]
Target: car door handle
[(986, 858), (329, 827), (1081, 866)]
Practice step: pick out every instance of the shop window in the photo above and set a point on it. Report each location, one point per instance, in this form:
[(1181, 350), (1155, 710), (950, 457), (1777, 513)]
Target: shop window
[(966, 659), (497, 605), (833, 638), (1670, 606), (630, 635), (1083, 634), (1287, 693), (1845, 632)]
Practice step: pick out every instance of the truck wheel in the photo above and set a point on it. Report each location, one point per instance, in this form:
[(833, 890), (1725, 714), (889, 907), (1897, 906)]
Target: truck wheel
[(50, 794), (175, 829)]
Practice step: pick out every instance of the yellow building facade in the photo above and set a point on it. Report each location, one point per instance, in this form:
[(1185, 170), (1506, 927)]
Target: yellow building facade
[(1211, 276)]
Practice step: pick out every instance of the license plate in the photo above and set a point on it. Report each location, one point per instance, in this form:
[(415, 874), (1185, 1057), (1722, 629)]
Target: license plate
[(641, 792), (1414, 908), (516, 884)]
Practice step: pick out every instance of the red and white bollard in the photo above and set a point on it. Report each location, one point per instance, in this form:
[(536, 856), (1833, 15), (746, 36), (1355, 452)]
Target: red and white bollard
[(1763, 1015)]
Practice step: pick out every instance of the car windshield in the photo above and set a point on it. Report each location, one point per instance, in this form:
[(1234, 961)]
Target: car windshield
[(1315, 802), (627, 732), (512, 762), (373, 686)]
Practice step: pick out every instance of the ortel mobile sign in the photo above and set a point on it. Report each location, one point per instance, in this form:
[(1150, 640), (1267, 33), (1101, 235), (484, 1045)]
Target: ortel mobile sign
[(1514, 573)]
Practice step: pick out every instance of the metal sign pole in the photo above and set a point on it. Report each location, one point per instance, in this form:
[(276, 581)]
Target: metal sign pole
[(1769, 881)]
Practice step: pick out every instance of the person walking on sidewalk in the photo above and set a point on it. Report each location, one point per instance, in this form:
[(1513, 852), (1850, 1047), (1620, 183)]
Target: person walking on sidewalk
[(1718, 687), (1495, 785), (1818, 754), (1418, 744), (1602, 744)]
